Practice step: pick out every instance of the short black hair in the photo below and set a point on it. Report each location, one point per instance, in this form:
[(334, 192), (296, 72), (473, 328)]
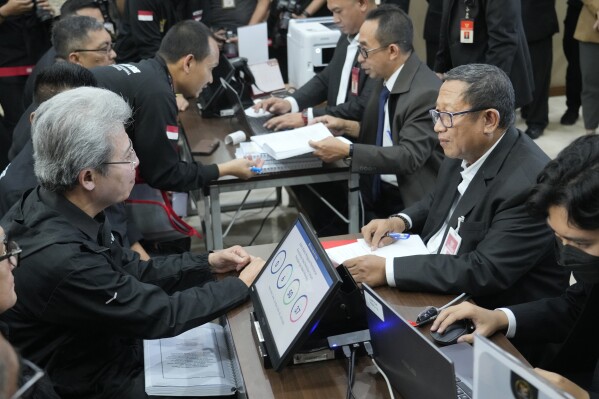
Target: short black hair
[(60, 77), (70, 7), (488, 87), (70, 33), (395, 26), (571, 180), (186, 37)]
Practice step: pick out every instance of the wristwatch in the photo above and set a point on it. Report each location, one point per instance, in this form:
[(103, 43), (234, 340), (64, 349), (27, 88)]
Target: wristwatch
[(305, 116), (403, 219)]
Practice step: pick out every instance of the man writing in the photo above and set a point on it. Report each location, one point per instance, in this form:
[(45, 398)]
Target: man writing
[(474, 223), (85, 302)]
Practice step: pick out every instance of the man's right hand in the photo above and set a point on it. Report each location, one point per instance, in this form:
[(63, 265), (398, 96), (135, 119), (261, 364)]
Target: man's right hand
[(240, 168), (486, 322), (274, 105), (16, 7), (249, 273), (374, 231)]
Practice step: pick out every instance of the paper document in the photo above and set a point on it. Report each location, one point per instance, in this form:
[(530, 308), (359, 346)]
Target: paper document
[(253, 43), (294, 142), (195, 363), (410, 246)]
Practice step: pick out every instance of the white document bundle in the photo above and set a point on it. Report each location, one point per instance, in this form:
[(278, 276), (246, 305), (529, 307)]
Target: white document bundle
[(412, 245), (271, 165), (287, 144), (195, 363)]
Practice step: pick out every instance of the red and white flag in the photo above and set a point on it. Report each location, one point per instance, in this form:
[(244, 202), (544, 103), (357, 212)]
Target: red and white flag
[(145, 15), (172, 132)]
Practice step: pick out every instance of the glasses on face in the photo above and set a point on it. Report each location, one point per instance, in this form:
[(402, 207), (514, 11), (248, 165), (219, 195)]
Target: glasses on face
[(29, 375), (364, 53), (447, 117), (11, 252), (130, 158), (106, 49)]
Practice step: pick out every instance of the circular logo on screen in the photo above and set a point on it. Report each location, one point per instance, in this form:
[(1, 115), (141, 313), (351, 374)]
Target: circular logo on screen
[(298, 308), (278, 261)]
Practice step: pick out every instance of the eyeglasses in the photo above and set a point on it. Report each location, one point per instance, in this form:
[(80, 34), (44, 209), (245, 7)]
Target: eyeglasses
[(29, 375), (364, 53), (131, 155), (447, 117), (106, 49), (11, 252)]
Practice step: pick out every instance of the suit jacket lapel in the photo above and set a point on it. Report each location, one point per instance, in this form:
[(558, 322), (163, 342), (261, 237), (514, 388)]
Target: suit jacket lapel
[(401, 85)]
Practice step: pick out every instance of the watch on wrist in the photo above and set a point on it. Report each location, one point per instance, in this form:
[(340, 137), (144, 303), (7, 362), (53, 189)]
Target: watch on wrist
[(306, 14), (351, 150), (305, 116), (403, 219)]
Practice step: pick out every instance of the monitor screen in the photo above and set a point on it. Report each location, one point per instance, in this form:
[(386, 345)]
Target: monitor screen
[(211, 94), (292, 291)]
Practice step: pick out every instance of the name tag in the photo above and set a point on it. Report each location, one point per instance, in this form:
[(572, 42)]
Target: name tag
[(452, 243), (355, 80), (466, 31), (228, 3)]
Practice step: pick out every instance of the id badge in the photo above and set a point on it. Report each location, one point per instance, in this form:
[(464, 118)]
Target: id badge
[(355, 79), (228, 3), (452, 243), (466, 31)]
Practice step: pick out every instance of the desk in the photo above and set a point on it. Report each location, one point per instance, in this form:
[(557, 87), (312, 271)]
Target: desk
[(327, 379), (195, 126)]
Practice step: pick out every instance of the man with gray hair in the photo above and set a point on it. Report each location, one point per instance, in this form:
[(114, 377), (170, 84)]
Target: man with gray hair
[(86, 302), (475, 225)]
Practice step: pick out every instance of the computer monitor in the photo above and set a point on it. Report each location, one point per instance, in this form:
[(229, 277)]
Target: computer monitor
[(292, 291), (212, 99)]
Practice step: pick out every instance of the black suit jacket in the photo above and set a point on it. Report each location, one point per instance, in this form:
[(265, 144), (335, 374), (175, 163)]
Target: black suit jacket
[(498, 40), (416, 155), (539, 19), (325, 85), (570, 321), (506, 256)]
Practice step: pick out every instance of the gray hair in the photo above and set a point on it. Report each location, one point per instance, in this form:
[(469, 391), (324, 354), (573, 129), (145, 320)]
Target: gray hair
[(73, 131), (488, 87), (72, 33)]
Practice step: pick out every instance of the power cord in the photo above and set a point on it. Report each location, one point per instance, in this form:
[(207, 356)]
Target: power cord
[(350, 354), (370, 352)]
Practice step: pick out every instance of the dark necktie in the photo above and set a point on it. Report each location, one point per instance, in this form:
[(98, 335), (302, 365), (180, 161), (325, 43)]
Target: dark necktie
[(376, 181)]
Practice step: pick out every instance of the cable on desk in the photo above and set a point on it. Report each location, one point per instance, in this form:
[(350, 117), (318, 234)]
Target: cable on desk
[(370, 352), (350, 354)]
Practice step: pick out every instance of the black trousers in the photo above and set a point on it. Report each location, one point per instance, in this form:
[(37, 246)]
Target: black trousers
[(541, 57), (571, 51)]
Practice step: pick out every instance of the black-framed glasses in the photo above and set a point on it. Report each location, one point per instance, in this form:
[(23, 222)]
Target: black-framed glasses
[(106, 49), (131, 155), (447, 117), (11, 252), (364, 53), (29, 375)]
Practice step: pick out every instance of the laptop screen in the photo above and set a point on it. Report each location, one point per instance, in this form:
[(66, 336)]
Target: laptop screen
[(499, 375), (212, 96), (413, 364), (292, 291)]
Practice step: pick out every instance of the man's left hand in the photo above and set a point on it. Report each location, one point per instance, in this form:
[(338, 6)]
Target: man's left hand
[(369, 269), (229, 259), (283, 122), (330, 149)]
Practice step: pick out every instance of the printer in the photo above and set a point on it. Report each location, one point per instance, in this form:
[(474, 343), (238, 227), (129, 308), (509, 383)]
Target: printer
[(311, 43)]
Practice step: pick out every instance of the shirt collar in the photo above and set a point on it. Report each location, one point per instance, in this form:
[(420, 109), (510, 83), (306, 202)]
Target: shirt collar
[(469, 171), (353, 41), (391, 81)]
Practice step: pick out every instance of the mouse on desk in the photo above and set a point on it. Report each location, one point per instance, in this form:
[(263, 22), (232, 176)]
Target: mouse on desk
[(453, 332)]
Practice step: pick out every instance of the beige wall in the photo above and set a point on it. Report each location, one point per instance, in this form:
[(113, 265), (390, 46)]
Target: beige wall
[(418, 12)]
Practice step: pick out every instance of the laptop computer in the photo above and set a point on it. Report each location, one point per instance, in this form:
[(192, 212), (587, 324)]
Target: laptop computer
[(212, 99), (416, 368), (291, 293), (499, 375), (252, 126)]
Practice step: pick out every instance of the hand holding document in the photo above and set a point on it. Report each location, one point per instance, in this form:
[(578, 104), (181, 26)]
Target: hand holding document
[(412, 245), (291, 143)]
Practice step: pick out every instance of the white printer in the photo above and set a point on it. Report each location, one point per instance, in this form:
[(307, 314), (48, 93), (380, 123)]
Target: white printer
[(311, 43)]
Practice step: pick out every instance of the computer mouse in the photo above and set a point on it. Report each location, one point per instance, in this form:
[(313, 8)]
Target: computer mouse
[(453, 332)]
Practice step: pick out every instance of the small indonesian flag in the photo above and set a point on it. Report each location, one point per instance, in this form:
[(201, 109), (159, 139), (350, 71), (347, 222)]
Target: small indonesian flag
[(172, 132), (145, 15)]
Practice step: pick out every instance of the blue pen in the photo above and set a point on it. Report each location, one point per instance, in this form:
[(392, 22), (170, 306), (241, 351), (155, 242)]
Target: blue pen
[(398, 236), (256, 169)]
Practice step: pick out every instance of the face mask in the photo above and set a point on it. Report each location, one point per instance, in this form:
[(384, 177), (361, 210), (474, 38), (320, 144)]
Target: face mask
[(584, 266)]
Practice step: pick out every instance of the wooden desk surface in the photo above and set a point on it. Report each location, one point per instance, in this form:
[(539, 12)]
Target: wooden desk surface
[(327, 379)]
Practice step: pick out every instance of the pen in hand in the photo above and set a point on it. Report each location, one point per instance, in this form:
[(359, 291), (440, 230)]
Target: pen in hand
[(256, 169), (397, 236)]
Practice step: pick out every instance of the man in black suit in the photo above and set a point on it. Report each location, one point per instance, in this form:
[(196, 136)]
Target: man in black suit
[(401, 168), (566, 195), (475, 225), (342, 84), (496, 38)]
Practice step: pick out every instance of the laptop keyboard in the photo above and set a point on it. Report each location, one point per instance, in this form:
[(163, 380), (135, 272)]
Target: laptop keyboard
[(256, 125), (463, 391)]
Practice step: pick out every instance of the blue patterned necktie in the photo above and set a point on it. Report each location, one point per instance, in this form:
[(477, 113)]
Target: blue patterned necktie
[(376, 181)]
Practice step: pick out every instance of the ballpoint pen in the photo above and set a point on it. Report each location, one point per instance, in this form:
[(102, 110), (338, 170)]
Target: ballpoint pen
[(256, 169), (397, 236)]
